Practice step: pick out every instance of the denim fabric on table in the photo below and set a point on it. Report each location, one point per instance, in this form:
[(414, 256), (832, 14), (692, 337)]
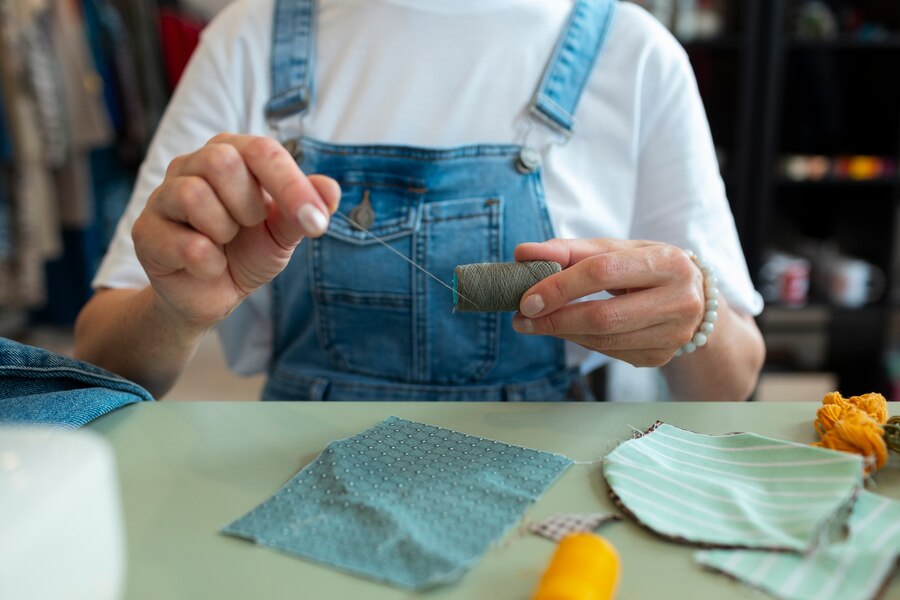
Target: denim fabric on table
[(854, 569), (740, 490), (405, 503), (40, 387)]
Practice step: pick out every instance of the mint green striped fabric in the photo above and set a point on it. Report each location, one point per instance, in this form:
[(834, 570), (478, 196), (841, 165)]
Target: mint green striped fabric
[(733, 491), (854, 569)]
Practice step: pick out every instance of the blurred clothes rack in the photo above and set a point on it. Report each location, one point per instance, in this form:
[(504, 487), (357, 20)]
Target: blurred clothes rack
[(83, 84)]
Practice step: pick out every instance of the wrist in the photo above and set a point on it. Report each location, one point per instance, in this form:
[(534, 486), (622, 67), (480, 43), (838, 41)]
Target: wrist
[(711, 307), (185, 330)]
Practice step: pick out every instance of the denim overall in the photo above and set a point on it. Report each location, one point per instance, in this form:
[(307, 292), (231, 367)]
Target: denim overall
[(353, 321)]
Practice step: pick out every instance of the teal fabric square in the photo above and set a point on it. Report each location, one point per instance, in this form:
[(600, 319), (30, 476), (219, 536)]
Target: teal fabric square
[(739, 490), (855, 569), (405, 503)]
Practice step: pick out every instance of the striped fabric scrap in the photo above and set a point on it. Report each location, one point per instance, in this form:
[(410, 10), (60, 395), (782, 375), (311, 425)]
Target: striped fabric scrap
[(855, 569), (738, 490)]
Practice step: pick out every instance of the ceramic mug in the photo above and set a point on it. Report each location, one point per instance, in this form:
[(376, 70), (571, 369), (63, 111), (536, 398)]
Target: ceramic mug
[(853, 282), (785, 279)]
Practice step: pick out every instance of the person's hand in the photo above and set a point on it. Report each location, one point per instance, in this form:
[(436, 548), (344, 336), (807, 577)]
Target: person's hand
[(226, 220), (658, 298)]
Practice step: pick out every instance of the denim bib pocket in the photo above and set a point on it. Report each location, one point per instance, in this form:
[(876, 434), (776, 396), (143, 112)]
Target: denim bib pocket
[(369, 302)]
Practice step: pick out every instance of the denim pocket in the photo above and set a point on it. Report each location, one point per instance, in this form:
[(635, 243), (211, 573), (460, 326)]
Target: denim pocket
[(376, 314), (458, 348), (362, 291)]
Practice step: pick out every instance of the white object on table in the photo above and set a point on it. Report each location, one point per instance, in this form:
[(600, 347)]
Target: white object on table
[(61, 534)]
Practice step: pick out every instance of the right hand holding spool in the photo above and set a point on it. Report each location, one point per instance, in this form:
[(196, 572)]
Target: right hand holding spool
[(224, 221), (657, 306)]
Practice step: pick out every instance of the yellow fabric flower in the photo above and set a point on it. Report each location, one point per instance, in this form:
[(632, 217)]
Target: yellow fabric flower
[(855, 431), (872, 404), (830, 414)]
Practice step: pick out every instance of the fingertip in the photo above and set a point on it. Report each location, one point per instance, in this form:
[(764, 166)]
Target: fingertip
[(527, 251), (329, 190), (312, 220), (531, 305)]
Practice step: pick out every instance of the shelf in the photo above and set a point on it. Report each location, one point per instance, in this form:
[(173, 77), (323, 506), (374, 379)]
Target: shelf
[(891, 42), (722, 42), (830, 182)]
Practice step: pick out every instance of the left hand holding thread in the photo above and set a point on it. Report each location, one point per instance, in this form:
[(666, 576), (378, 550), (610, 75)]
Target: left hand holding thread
[(659, 300)]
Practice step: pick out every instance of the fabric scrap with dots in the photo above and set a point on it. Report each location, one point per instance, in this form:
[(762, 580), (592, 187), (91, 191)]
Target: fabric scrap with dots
[(405, 503), (556, 527)]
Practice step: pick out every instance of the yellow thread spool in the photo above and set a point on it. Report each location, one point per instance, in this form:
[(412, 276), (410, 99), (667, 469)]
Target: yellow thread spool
[(584, 567)]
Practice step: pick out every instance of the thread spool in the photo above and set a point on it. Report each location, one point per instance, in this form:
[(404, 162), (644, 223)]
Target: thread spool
[(497, 287), (584, 567)]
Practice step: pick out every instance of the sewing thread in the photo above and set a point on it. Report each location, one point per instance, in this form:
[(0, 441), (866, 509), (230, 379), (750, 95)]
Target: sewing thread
[(497, 287), (398, 253)]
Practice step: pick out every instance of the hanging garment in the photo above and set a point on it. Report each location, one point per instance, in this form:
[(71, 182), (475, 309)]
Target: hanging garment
[(741, 490), (84, 97), (405, 503), (113, 54), (141, 20), (6, 174), (180, 35), (355, 322), (32, 213)]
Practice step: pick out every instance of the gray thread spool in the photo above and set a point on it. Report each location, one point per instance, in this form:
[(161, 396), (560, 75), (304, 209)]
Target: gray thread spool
[(497, 287)]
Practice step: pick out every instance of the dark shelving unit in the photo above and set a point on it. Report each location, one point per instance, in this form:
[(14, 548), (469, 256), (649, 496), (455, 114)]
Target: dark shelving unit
[(838, 96), (770, 93)]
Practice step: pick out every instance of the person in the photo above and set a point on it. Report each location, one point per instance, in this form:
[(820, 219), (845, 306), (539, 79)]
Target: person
[(304, 138)]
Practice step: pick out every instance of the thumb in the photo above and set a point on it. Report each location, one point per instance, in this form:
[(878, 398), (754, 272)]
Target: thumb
[(328, 189), (310, 219)]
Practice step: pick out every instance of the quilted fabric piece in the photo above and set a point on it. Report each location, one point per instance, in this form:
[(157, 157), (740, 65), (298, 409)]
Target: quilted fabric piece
[(556, 527), (405, 503), (735, 491), (854, 569)]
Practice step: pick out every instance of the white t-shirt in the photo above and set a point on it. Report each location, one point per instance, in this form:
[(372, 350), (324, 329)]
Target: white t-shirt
[(439, 73)]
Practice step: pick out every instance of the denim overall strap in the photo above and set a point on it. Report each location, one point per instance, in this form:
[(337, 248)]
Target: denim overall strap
[(37, 386), (573, 59), (293, 59)]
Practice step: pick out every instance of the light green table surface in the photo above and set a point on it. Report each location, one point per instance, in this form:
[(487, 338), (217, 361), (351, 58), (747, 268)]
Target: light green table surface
[(186, 469)]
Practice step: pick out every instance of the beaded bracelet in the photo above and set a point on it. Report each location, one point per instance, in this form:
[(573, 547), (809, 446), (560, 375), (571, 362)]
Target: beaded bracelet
[(711, 291)]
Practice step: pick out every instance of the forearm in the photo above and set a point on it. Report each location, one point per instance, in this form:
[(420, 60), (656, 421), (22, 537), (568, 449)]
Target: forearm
[(726, 368), (131, 333)]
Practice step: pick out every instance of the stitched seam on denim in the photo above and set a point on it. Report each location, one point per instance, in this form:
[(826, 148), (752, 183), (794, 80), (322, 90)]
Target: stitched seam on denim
[(603, 37), (476, 208), (420, 368), (491, 323), (364, 301), (383, 232), (416, 153), (48, 372), (370, 184), (553, 381), (579, 71), (555, 114), (323, 327)]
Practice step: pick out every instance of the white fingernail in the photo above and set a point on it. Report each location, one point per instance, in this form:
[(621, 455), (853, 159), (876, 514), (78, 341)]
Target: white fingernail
[(312, 220), (532, 305)]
